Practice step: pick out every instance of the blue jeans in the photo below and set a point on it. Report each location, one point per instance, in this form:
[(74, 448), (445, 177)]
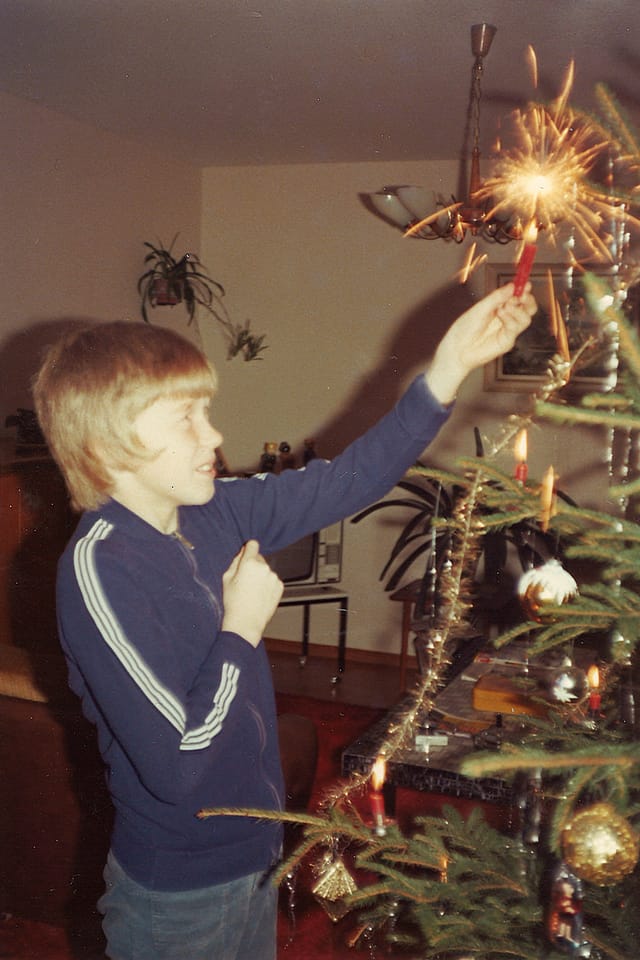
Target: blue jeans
[(231, 921)]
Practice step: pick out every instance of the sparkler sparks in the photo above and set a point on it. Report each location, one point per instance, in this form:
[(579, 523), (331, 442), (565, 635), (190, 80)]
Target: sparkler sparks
[(471, 263), (543, 178)]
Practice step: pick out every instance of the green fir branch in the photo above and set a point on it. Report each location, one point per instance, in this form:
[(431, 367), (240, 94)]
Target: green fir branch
[(574, 415), (484, 764), (515, 633), (557, 635)]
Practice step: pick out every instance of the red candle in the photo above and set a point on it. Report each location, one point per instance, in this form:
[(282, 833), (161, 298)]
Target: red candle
[(595, 699), (527, 257), (522, 472), (520, 453), (376, 798)]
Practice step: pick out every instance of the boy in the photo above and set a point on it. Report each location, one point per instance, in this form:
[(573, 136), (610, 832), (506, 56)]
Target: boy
[(163, 596)]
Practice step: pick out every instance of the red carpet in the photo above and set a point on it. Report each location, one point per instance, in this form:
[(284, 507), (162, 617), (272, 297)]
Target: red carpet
[(338, 724), (306, 932)]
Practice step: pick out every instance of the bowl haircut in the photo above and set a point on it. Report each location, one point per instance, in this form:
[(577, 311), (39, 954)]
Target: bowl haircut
[(93, 384)]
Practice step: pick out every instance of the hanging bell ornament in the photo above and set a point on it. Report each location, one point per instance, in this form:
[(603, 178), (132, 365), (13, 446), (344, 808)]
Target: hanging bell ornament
[(333, 884), (543, 587), (599, 845)]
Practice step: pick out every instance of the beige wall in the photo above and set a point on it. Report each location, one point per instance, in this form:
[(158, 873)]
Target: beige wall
[(352, 311), (77, 205)]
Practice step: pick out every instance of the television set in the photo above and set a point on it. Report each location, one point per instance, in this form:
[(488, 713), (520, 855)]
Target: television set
[(314, 559)]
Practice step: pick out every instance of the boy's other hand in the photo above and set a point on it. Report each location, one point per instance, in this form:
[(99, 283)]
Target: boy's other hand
[(251, 593)]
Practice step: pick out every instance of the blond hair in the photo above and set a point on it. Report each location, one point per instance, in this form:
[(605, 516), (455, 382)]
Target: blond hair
[(94, 383)]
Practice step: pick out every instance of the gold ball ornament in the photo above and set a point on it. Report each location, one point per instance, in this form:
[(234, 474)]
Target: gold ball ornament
[(599, 845), (543, 587)]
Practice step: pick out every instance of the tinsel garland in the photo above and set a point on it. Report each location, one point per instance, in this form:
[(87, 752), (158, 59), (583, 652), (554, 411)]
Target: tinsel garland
[(455, 586)]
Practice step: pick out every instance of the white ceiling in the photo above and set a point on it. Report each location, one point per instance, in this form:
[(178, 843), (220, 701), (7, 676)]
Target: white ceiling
[(306, 81)]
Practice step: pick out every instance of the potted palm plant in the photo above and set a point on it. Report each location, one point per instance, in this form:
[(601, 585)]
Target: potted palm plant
[(423, 544), (169, 280)]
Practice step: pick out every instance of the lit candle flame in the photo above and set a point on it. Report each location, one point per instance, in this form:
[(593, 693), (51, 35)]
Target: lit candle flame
[(378, 773), (595, 698), (376, 797), (520, 453), (520, 446)]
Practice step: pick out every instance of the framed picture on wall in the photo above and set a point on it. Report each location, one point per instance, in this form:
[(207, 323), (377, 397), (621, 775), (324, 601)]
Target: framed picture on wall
[(524, 367)]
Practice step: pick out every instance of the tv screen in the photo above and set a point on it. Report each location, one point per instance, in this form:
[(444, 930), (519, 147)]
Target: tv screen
[(296, 563)]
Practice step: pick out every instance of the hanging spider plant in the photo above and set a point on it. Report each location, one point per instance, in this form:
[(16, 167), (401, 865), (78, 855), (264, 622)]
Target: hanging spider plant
[(168, 281)]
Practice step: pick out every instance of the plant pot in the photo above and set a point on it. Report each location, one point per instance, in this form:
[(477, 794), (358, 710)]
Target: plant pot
[(163, 293)]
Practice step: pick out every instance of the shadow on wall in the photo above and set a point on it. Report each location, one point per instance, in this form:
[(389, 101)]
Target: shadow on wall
[(40, 520), (409, 346), (412, 345), (22, 352)]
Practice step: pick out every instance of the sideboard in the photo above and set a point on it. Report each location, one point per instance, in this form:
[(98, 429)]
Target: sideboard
[(35, 523)]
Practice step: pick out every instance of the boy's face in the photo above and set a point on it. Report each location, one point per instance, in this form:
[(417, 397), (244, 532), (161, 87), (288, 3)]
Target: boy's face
[(178, 431)]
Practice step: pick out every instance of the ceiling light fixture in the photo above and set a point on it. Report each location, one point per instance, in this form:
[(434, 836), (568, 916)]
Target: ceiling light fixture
[(412, 208)]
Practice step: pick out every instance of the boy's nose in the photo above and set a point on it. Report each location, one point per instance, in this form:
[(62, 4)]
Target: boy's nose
[(214, 436)]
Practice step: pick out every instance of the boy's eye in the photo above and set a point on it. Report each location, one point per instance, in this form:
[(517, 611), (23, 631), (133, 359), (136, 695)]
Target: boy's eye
[(189, 412)]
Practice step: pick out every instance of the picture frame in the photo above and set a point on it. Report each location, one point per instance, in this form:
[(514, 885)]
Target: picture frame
[(523, 368)]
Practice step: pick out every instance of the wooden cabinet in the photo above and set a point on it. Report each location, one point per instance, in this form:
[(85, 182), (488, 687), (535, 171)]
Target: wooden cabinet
[(35, 524)]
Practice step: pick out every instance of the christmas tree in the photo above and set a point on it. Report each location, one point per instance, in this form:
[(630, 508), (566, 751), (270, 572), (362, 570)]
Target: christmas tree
[(563, 879)]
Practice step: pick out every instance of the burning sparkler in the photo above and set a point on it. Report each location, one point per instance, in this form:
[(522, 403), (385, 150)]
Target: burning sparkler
[(543, 178), (541, 182)]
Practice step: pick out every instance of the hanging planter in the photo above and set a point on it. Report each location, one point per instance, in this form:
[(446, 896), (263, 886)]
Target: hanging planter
[(163, 294), (168, 281)]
